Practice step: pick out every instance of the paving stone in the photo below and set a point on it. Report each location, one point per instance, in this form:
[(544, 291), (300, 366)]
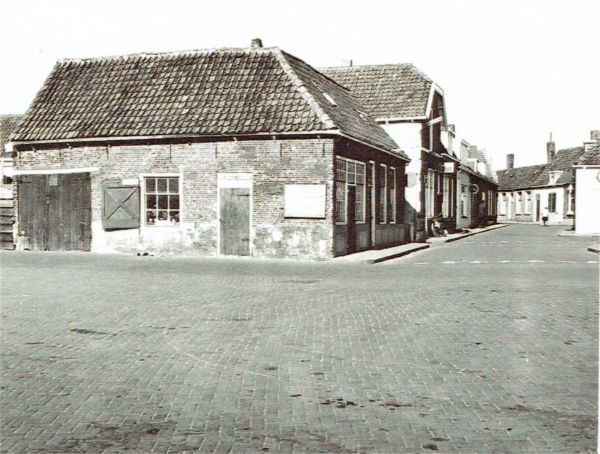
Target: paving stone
[(130, 354)]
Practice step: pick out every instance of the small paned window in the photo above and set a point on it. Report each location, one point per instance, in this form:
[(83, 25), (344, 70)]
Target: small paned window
[(383, 194), (340, 169), (162, 201), (392, 195), (340, 201)]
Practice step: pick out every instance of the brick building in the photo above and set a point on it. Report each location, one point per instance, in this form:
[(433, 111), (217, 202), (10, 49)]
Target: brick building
[(219, 152), (411, 108)]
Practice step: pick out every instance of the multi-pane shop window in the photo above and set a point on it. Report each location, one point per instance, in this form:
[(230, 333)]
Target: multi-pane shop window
[(349, 173), (162, 201), (392, 195), (382, 194), (360, 192), (340, 201)]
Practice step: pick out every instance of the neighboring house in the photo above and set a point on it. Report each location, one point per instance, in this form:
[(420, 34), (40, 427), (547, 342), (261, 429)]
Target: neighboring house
[(587, 186), (525, 192), (245, 151), (476, 188), (410, 107), (8, 123)]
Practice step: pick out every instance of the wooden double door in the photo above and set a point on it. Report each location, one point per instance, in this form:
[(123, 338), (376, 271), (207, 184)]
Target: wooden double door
[(55, 212)]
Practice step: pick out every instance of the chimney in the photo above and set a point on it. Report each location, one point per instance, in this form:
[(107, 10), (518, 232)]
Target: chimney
[(550, 149), (510, 161), (256, 43), (347, 62), (595, 135)]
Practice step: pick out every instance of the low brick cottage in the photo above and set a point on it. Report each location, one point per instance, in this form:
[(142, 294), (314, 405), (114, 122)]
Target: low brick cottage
[(215, 152)]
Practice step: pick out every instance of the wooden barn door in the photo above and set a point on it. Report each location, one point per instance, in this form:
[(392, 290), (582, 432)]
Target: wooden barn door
[(235, 221), (55, 211)]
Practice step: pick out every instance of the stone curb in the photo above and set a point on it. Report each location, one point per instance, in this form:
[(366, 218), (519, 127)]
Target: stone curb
[(396, 255), (466, 235)]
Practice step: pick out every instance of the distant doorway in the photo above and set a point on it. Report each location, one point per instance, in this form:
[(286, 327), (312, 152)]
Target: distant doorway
[(537, 208)]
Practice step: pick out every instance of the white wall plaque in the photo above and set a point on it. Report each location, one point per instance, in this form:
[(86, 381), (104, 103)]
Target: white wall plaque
[(304, 200)]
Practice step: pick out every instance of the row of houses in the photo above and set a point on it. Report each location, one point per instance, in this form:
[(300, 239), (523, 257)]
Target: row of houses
[(566, 188), (245, 151)]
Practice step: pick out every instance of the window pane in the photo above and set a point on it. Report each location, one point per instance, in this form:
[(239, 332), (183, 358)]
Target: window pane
[(150, 184), (175, 217), (163, 215), (174, 202), (340, 171), (360, 203), (351, 172), (340, 202), (173, 185), (150, 217), (163, 202), (150, 201), (360, 173), (161, 184)]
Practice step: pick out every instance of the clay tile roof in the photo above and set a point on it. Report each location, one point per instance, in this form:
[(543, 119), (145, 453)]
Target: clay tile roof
[(387, 91), (563, 161), (591, 155), (8, 123), (206, 92), (519, 177)]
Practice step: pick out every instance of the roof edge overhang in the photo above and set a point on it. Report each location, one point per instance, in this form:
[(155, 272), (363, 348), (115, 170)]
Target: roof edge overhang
[(391, 120), (16, 145), (384, 150), (474, 173), (170, 138)]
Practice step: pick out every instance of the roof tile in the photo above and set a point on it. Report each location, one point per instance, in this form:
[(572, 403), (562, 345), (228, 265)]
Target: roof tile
[(210, 92), (387, 91)]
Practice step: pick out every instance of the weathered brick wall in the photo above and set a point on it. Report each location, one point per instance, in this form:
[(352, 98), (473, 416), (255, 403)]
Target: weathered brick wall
[(272, 163)]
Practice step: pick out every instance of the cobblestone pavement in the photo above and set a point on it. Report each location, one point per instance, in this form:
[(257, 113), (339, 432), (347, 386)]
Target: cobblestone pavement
[(484, 345)]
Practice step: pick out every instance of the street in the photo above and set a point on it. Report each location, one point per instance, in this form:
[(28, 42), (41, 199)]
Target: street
[(488, 344)]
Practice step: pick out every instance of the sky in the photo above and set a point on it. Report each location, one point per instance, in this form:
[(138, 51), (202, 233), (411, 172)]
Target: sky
[(512, 71)]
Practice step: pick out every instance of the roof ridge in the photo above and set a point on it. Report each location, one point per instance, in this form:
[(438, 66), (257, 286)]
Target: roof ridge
[(172, 54), (328, 123), (382, 66), (372, 65)]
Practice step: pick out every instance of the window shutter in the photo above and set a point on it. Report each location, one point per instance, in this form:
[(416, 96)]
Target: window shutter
[(120, 205)]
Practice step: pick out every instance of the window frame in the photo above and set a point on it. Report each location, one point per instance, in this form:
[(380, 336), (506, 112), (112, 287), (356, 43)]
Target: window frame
[(552, 199), (392, 190), (144, 193), (338, 179), (383, 188)]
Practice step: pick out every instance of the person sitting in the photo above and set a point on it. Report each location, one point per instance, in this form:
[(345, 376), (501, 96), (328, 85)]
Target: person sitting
[(436, 227)]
